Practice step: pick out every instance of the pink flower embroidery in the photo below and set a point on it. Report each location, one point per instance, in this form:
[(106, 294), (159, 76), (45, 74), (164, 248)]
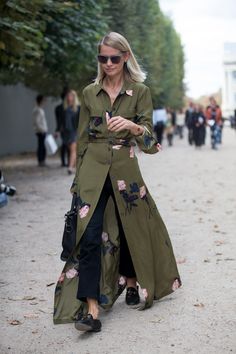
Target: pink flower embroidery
[(129, 92), (71, 273), (142, 192), (105, 236), (122, 281), (84, 211), (121, 185), (116, 147), (61, 278), (175, 285), (145, 293), (131, 152)]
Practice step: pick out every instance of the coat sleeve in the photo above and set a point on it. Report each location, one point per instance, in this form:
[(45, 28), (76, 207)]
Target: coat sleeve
[(146, 142), (82, 140)]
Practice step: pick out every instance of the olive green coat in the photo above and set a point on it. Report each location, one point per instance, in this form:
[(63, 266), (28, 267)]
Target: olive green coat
[(100, 152)]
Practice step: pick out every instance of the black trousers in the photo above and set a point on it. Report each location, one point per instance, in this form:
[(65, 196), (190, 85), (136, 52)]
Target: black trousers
[(41, 151), (64, 153), (159, 130), (90, 249)]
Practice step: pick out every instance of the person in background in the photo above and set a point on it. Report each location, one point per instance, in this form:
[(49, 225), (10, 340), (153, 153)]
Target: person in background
[(170, 126), (180, 121), (59, 114), (199, 126), (189, 121), (159, 120), (214, 119), (40, 128), (70, 124)]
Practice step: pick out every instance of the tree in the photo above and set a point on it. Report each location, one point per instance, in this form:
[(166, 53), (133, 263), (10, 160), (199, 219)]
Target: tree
[(65, 45), (47, 44), (156, 44)]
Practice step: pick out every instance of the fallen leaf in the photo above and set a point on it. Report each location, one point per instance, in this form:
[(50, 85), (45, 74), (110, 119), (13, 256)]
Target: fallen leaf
[(14, 322), (181, 260), (42, 311), (207, 260), (34, 332), (33, 303), (229, 259), (31, 315), (50, 284), (22, 298), (219, 242), (200, 304), (15, 298), (156, 321), (29, 297)]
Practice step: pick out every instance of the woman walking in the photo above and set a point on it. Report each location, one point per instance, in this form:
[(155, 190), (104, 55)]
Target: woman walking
[(121, 238), (41, 129), (199, 126), (70, 124)]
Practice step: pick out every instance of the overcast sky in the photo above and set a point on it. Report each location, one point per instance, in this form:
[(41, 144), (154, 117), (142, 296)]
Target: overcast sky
[(204, 26)]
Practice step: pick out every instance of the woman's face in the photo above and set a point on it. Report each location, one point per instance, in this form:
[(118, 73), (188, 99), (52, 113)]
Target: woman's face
[(70, 99), (109, 68)]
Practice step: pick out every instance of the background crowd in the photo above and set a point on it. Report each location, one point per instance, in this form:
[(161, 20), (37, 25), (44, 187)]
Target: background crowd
[(167, 124)]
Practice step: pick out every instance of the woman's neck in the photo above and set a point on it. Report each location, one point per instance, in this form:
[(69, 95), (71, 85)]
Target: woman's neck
[(114, 82)]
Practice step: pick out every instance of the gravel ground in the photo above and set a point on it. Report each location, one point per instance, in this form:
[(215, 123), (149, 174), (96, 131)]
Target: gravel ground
[(195, 193)]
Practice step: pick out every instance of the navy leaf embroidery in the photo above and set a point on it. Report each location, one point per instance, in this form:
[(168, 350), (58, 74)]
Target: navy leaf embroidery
[(134, 188), (97, 121)]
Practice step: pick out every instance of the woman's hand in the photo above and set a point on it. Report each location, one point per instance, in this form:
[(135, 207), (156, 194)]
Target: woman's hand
[(118, 123)]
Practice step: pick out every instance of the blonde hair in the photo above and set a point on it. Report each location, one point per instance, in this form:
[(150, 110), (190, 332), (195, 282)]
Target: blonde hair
[(132, 70), (76, 101)]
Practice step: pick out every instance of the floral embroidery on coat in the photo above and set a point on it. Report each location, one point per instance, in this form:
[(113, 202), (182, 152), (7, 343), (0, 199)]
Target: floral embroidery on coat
[(131, 152), (129, 92), (121, 185), (61, 278), (176, 284), (130, 197), (142, 192), (107, 246), (83, 211), (71, 273), (117, 147), (97, 121)]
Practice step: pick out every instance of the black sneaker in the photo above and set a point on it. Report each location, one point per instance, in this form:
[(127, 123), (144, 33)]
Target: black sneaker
[(132, 296), (88, 324)]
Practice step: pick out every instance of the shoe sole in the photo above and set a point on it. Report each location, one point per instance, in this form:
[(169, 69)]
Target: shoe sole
[(85, 328)]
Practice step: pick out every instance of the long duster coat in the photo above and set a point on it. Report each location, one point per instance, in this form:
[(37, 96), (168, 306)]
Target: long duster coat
[(100, 152)]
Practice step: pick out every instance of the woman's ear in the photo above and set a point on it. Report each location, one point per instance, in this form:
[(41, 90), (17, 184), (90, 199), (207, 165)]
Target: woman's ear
[(126, 56)]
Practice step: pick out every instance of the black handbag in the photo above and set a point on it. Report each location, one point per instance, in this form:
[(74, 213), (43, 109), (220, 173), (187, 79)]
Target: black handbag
[(69, 234)]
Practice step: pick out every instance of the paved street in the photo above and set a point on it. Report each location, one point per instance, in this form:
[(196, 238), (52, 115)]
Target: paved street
[(195, 191)]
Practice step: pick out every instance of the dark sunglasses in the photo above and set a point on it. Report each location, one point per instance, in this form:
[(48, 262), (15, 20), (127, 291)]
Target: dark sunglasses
[(115, 59)]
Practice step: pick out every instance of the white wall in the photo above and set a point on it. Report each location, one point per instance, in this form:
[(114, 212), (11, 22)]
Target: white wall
[(16, 128)]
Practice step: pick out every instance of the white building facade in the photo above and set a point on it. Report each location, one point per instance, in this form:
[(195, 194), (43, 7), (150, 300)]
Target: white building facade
[(229, 80)]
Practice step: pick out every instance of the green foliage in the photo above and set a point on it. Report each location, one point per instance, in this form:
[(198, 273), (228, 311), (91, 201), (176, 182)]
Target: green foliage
[(156, 44), (47, 44)]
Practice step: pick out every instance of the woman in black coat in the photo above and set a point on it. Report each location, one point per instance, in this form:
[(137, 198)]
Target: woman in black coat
[(199, 126)]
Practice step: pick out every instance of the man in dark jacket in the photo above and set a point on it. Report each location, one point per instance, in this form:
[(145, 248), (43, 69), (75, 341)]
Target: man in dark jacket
[(189, 121), (59, 114)]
